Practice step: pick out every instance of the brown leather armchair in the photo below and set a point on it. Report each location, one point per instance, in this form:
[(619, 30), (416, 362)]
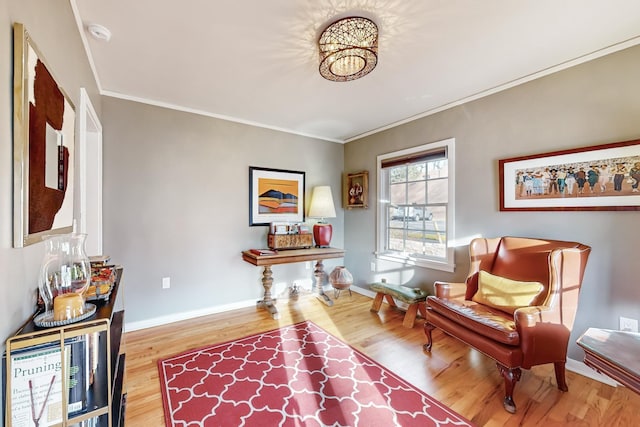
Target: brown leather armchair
[(487, 311)]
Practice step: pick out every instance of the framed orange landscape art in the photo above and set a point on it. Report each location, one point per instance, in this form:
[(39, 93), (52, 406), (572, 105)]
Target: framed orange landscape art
[(275, 195), (598, 178)]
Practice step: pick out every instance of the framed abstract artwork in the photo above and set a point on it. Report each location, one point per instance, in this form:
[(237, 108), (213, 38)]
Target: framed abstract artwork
[(600, 178), (275, 195), (43, 147)]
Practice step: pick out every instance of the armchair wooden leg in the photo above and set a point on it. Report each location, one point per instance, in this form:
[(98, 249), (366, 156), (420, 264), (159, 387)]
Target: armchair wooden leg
[(511, 377), (560, 377), (428, 327)]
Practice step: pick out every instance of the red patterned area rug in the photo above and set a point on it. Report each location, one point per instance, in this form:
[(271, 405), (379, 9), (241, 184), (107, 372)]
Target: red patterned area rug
[(298, 375)]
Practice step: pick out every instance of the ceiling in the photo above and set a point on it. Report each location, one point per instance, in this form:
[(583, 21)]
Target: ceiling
[(256, 61)]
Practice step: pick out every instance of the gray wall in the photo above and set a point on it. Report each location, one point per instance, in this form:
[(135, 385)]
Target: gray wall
[(52, 27), (595, 103), (176, 205)]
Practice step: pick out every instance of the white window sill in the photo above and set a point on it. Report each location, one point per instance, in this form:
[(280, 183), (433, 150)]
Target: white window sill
[(424, 263)]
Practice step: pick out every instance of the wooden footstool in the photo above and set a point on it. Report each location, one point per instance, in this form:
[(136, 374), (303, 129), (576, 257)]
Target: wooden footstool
[(415, 298)]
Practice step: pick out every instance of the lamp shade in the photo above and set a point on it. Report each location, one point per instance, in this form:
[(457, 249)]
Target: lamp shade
[(322, 203)]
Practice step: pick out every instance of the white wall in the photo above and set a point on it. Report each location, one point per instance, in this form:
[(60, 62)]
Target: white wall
[(594, 103)]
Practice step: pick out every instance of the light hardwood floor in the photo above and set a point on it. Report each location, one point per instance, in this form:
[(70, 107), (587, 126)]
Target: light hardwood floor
[(461, 378)]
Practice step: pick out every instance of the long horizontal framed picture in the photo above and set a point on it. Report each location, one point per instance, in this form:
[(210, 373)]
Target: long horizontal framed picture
[(602, 177), (275, 195)]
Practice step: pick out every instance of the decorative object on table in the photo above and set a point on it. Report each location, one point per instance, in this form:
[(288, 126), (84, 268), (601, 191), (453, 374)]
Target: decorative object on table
[(348, 49), (289, 236), (60, 317), (355, 191), (322, 207), (289, 241), (288, 228), (325, 382), (341, 279), (279, 228), (262, 252), (598, 178), (99, 260), (275, 195), (65, 270), (43, 147), (102, 281)]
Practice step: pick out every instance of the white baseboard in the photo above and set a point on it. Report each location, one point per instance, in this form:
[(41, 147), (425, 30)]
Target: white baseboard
[(177, 317), (363, 291)]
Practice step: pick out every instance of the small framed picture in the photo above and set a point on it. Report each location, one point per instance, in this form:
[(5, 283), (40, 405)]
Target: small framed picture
[(355, 191)]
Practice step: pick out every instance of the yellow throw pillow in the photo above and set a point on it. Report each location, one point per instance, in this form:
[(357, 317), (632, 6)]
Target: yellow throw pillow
[(505, 294)]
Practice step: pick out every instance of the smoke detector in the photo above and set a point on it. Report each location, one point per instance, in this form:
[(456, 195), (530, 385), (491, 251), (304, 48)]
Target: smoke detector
[(99, 32)]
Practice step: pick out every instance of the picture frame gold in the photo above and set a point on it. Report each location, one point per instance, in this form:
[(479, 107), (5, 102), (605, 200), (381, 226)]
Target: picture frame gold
[(604, 178), (43, 147), (355, 190)]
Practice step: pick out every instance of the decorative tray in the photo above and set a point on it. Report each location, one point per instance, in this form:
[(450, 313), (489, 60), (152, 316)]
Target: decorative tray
[(96, 292), (102, 281), (45, 320)]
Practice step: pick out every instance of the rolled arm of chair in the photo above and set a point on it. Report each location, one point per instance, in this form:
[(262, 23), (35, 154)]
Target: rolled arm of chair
[(543, 337), (447, 290)]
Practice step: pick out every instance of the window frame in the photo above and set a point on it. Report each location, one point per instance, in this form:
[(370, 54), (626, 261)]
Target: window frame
[(448, 264)]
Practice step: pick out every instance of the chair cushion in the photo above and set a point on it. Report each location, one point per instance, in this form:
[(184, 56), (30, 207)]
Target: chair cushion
[(505, 294), (486, 321)]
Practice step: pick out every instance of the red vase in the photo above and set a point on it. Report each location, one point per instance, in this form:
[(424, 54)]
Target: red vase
[(322, 235)]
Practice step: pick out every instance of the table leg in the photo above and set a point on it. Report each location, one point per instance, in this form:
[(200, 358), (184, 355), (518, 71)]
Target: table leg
[(319, 275), (267, 302)]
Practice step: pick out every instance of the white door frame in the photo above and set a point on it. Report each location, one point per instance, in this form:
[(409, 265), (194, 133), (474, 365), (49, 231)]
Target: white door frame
[(90, 175)]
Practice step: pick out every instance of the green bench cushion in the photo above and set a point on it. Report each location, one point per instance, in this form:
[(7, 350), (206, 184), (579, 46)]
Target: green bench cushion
[(403, 293)]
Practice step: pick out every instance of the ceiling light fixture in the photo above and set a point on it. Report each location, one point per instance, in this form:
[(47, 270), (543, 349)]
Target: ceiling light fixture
[(348, 49), (99, 32)]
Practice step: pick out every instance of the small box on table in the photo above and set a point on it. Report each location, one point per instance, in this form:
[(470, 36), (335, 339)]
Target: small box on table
[(290, 241)]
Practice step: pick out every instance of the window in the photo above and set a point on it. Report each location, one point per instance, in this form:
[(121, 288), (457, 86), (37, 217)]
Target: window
[(415, 205)]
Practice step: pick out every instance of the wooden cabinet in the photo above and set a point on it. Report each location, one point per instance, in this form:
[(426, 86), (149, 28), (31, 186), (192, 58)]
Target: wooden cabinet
[(84, 358)]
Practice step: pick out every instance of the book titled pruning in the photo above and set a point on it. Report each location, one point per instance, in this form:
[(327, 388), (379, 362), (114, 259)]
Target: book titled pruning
[(36, 383)]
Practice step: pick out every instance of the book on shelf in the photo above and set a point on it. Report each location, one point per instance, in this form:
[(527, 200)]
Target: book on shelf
[(35, 378), (263, 251), (77, 375)]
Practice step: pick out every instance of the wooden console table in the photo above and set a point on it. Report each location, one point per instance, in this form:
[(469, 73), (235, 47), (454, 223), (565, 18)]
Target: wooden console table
[(288, 257), (613, 353)]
